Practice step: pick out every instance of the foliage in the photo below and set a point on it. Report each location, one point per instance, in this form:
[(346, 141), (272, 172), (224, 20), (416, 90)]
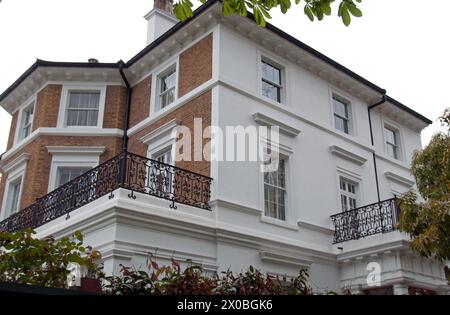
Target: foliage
[(25, 259), (193, 280), (428, 221), (313, 9)]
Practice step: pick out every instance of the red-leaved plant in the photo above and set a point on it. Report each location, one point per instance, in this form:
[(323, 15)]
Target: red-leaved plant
[(193, 280)]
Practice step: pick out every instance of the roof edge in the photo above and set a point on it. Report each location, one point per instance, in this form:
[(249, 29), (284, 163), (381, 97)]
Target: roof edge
[(408, 110), (44, 63)]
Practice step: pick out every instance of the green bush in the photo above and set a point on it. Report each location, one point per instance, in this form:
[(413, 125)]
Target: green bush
[(25, 259)]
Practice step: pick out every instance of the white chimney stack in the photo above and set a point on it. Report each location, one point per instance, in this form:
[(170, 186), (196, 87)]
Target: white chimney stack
[(160, 19)]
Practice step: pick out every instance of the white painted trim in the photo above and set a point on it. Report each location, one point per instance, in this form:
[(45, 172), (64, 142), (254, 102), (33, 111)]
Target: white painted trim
[(393, 161), (231, 205), (71, 157), (285, 153), (86, 86), (315, 227), (352, 177), (155, 61), (161, 12), (167, 127), (352, 127), (79, 132), (97, 150), (282, 258), (21, 159), (264, 120), (208, 85), (225, 82), (154, 94), (18, 171), (399, 179), (30, 101), (345, 154), (385, 122)]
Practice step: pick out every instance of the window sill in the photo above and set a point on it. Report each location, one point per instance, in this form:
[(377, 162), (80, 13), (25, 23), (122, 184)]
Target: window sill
[(280, 223)]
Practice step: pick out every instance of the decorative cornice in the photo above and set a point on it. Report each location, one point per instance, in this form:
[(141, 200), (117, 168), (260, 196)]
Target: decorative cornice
[(264, 120), (19, 161), (279, 257), (345, 154), (399, 179), (97, 150)]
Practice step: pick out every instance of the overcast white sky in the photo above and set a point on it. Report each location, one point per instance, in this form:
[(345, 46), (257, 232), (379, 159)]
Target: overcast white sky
[(399, 45)]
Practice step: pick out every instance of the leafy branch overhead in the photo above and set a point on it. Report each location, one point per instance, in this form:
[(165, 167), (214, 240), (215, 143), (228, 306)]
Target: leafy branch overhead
[(313, 9)]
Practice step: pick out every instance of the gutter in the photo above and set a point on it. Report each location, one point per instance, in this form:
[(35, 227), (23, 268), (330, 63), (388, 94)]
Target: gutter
[(126, 116), (382, 101)]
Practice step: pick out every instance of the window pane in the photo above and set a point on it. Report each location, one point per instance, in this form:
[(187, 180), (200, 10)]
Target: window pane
[(271, 73), (67, 174), (271, 91), (83, 109), (168, 97), (340, 108), (167, 80), (341, 124), (275, 193), (392, 150), (390, 136), (88, 100), (15, 194)]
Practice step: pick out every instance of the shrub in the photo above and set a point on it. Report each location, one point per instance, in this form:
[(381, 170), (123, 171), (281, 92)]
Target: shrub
[(193, 280), (25, 259)]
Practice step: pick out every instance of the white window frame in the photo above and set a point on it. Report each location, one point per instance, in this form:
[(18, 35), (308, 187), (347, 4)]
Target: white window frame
[(352, 177), (15, 171), (17, 133), (276, 62), (348, 194), (399, 137), (72, 157), (155, 105), (285, 153), (350, 112), (94, 87)]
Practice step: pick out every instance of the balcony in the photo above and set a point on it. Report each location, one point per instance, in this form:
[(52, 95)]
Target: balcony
[(126, 170), (380, 217)]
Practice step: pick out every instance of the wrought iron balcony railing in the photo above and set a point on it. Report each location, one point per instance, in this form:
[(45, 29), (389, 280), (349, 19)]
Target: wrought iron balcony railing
[(126, 170), (380, 217)]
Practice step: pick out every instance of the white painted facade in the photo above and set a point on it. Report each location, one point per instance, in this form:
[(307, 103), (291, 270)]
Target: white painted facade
[(236, 233)]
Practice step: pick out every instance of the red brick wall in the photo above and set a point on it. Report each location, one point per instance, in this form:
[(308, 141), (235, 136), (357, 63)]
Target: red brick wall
[(199, 107), (195, 66), (114, 107), (39, 164), (140, 101), (47, 106)]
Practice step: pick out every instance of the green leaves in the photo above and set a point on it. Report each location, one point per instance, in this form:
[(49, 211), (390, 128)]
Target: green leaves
[(183, 9), (27, 260), (193, 280), (346, 8), (428, 221), (313, 9)]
